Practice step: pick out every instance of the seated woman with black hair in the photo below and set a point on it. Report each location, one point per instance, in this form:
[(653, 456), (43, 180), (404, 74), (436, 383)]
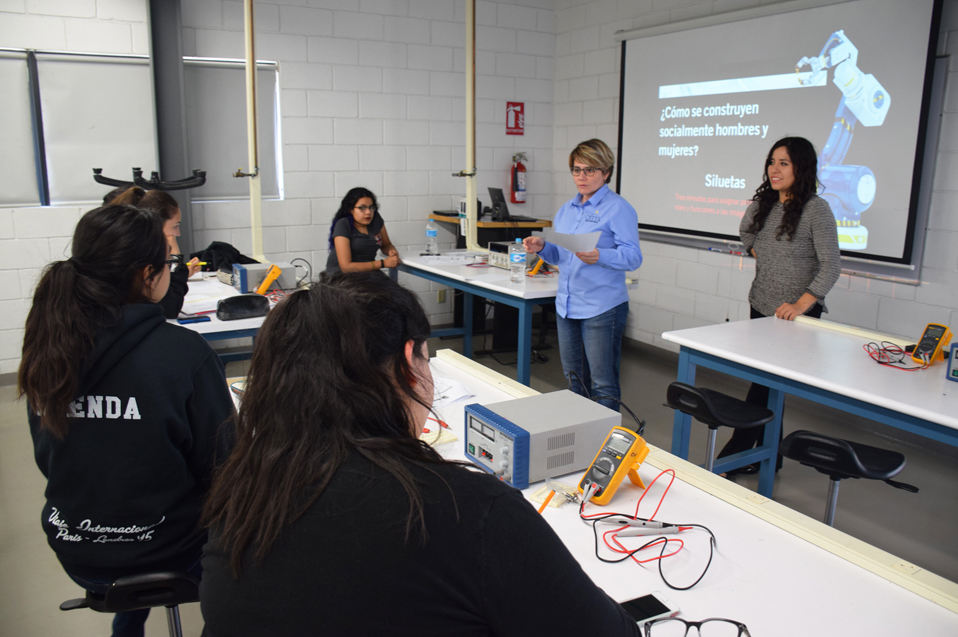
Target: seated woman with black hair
[(331, 517), (357, 234), (124, 408)]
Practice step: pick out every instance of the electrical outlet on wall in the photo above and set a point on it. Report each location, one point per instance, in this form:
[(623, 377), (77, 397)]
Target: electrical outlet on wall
[(441, 298)]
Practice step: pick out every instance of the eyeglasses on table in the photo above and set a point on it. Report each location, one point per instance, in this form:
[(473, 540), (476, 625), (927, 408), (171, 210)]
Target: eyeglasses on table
[(712, 627)]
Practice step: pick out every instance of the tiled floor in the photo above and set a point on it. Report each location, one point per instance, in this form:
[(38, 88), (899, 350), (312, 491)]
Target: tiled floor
[(919, 528)]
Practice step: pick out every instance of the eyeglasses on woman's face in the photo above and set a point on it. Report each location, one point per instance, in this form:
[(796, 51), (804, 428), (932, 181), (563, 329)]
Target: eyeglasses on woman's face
[(372, 208), (712, 627), (588, 170)]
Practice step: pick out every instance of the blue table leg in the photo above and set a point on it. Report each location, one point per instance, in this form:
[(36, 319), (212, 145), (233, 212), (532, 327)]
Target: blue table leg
[(682, 423), (766, 474), (467, 324), (525, 344)]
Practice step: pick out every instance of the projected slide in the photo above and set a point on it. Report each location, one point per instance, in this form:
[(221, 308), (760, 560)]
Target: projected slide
[(702, 108)]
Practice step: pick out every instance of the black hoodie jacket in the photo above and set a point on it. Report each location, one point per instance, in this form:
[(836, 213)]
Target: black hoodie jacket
[(125, 485)]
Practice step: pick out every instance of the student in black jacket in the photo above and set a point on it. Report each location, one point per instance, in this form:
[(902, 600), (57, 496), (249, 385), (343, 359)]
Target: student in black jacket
[(332, 518), (163, 205), (125, 409)]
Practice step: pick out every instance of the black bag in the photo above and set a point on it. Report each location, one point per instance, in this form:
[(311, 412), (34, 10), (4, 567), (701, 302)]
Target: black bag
[(221, 256), (241, 307)]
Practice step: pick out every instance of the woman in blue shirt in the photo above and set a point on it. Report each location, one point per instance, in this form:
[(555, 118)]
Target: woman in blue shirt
[(592, 302)]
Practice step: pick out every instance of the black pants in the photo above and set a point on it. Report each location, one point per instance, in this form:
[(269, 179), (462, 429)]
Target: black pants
[(745, 439)]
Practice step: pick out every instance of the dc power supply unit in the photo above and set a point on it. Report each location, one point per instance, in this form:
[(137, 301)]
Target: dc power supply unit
[(530, 439)]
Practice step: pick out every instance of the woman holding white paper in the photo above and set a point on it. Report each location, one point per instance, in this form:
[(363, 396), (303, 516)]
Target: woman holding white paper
[(592, 302)]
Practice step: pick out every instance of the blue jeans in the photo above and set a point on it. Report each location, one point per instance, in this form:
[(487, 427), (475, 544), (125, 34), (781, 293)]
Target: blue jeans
[(591, 349), (131, 623)]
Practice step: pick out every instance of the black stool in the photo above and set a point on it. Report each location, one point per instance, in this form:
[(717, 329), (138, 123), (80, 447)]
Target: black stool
[(840, 459), (144, 591), (716, 409)]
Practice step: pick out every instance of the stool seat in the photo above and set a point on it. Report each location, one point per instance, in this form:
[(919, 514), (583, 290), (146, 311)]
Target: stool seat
[(716, 409), (148, 590), (141, 591), (840, 459)]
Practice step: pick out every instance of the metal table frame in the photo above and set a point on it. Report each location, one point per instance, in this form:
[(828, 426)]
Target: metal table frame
[(525, 307), (690, 358)]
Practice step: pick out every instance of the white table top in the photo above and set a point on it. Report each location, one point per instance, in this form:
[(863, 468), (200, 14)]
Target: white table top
[(490, 277), (830, 360), (203, 295), (778, 581)]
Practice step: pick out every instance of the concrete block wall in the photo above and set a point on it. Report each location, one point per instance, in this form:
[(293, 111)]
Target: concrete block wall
[(30, 238), (680, 287), (372, 95)]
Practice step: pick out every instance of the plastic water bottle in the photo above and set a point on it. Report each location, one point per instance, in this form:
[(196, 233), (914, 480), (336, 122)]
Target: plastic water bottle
[(432, 240), (517, 261)]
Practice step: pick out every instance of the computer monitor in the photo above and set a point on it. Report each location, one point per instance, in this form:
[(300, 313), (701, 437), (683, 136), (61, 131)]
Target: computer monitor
[(500, 210)]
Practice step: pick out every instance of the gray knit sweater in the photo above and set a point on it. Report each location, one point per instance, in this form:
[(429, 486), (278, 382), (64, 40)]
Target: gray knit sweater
[(785, 270)]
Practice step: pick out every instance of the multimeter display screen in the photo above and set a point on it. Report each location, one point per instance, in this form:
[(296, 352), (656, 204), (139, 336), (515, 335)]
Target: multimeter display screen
[(619, 444), (934, 331)]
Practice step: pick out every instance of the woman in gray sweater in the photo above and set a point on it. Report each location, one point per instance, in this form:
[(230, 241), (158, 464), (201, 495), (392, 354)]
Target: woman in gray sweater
[(791, 233)]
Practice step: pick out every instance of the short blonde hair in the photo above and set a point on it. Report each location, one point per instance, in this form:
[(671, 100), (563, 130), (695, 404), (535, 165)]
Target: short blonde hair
[(594, 152)]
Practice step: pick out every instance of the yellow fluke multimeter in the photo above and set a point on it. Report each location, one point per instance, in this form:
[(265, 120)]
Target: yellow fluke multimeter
[(621, 453), (930, 348), (271, 275)]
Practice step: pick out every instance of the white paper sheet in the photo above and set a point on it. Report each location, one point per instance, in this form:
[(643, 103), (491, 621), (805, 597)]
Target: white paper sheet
[(576, 242), (205, 294), (447, 391)]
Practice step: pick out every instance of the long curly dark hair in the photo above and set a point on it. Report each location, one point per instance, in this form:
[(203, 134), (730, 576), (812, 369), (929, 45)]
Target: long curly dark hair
[(805, 168), (346, 208)]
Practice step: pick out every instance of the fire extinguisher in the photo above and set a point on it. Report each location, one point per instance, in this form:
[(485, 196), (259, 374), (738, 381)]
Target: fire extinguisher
[(517, 179)]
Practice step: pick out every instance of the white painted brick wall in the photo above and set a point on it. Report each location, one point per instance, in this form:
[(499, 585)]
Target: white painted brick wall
[(372, 95)]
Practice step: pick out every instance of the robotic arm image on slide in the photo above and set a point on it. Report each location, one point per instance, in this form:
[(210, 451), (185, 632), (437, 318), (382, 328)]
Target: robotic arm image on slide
[(849, 190)]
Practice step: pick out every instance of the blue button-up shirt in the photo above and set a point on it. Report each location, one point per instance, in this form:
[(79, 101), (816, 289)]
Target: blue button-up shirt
[(589, 290)]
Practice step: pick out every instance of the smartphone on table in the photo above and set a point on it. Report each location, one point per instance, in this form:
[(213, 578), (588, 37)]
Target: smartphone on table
[(655, 605)]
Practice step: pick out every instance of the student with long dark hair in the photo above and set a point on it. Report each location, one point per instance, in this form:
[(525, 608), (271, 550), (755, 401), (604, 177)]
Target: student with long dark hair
[(791, 232), (332, 518), (123, 407), (164, 205), (358, 234)]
